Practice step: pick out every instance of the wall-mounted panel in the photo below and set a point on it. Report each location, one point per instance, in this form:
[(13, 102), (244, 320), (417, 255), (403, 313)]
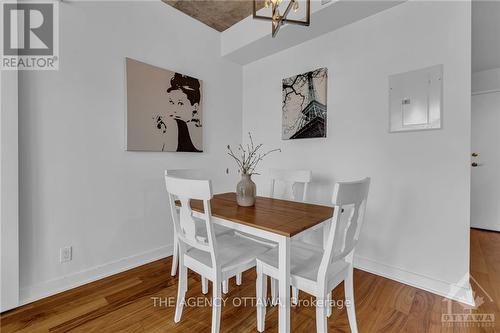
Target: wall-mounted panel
[(415, 99)]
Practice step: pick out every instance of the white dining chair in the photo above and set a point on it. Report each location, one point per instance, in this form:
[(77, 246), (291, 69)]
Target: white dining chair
[(215, 257), (286, 181), (318, 271), (200, 228)]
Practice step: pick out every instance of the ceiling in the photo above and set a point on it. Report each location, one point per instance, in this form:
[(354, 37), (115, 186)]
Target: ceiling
[(218, 14), (485, 35), (251, 40), (222, 14)]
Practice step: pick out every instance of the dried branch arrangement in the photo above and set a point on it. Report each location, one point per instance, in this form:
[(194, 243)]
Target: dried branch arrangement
[(247, 158)]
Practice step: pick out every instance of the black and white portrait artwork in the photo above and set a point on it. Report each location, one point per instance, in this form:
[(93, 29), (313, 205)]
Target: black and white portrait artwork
[(164, 110), (304, 105)]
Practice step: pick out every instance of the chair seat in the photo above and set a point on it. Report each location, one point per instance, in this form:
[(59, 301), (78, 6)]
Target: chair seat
[(201, 229), (304, 262), (314, 237), (232, 251)]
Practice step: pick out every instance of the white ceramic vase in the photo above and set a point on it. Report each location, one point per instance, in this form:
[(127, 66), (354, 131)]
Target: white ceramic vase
[(245, 191)]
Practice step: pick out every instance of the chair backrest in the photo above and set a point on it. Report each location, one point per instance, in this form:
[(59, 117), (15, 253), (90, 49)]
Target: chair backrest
[(185, 190), (290, 178), (349, 199), (187, 173)]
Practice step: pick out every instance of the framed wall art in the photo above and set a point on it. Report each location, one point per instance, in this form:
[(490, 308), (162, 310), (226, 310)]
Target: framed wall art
[(304, 105), (164, 109)]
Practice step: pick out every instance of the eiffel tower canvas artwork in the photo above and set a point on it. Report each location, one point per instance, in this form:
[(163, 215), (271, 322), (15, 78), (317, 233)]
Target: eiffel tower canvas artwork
[(304, 105)]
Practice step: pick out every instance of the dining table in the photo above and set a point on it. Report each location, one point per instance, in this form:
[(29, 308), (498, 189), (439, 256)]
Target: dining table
[(274, 220)]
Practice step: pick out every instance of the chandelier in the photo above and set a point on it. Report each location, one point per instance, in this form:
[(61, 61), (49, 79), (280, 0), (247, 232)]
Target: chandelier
[(277, 19)]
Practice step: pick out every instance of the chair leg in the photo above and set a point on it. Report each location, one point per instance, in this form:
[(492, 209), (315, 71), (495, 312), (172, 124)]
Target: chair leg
[(225, 286), (295, 295), (204, 285), (216, 305), (274, 291), (261, 291), (238, 279), (181, 292), (329, 304), (349, 295), (175, 258), (321, 319)]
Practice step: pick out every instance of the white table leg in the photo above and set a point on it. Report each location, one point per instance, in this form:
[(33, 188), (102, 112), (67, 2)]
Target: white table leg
[(284, 285)]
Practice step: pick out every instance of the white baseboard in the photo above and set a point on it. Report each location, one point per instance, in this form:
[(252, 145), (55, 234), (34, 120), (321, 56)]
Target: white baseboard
[(38, 291), (460, 292)]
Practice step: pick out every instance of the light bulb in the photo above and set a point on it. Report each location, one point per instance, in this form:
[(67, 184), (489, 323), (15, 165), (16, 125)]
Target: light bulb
[(295, 6), (276, 15)]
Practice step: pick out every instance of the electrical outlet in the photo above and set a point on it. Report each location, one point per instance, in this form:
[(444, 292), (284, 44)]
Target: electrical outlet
[(65, 254)]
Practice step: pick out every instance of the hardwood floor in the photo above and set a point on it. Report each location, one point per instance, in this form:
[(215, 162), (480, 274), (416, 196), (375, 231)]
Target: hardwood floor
[(126, 303)]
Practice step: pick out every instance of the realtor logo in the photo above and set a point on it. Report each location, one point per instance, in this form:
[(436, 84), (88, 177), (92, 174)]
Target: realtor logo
[(30, 35)]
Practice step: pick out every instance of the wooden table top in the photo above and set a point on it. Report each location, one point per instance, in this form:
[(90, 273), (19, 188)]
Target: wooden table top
[(282, 217)]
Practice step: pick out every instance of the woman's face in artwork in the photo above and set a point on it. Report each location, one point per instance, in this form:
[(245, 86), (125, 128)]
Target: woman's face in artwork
[(181, 106)]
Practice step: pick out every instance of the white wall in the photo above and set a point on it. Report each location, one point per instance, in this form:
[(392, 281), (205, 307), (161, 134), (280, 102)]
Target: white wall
[(78, 185), (9, 192), (485, 32), (417, 224), (486, 80)]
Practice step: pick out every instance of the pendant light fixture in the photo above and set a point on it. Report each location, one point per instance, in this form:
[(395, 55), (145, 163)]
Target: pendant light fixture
[(278, 19)]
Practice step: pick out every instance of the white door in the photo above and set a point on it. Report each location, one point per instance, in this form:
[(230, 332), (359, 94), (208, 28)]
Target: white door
[(485, 182)]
